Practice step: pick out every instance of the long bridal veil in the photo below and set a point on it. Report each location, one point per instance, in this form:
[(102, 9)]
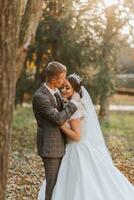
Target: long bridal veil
[(93, 129)]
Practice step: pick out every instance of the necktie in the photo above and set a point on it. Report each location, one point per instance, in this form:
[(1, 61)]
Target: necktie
[(58, 101)]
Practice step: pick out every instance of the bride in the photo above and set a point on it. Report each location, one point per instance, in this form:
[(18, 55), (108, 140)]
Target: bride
[(87, 171)]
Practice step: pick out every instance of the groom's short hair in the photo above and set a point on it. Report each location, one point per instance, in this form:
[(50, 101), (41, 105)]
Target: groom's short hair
[(54, 69)]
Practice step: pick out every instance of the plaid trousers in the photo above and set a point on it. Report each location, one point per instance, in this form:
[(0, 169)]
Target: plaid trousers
[(51, 166)]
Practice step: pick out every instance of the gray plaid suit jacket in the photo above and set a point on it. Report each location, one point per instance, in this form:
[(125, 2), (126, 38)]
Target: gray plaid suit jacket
[(50, 139)]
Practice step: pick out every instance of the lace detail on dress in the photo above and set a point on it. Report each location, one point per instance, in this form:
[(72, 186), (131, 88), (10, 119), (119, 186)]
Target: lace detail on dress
[(80, 113)]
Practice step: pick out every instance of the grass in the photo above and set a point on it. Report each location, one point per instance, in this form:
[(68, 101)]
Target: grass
[(24, 129), (121, 125), (119, 136), (23, 117), (26, 171)]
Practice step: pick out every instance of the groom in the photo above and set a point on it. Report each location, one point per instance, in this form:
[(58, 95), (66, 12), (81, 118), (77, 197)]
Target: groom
[(50, 114)]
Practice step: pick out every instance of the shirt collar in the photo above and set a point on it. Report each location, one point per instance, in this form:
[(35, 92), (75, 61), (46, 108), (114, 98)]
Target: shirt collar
[(51, 90)]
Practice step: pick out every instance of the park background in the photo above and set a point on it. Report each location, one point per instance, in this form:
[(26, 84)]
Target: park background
[(93, 38)]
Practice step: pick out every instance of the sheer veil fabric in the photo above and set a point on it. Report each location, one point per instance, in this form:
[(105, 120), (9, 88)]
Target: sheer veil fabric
[(93, 131)]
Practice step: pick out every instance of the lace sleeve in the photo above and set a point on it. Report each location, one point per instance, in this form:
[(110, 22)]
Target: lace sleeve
[(80, 113)]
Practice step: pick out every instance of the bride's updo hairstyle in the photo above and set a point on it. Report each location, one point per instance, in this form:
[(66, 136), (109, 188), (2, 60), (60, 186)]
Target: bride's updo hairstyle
[(76, 83)]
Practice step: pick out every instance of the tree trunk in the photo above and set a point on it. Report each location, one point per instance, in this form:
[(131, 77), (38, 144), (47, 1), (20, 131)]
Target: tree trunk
[(107, 66), (18, 22), (104, 109)]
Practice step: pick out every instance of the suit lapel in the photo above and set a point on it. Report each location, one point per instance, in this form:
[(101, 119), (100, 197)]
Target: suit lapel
[(62, 102), (46, 91)]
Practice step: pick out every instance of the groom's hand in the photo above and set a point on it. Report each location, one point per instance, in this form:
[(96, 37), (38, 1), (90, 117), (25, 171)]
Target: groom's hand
[(65, 124)]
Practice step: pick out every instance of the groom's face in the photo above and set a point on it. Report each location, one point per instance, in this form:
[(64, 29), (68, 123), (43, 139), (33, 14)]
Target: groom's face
[(59, 80)]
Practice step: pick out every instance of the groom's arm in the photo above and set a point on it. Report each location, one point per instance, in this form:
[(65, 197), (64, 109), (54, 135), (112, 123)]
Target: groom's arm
[(43, 106)]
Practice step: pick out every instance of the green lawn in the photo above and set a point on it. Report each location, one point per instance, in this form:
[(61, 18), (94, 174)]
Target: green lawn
[(26, 170), (120, 123), (121, 127)]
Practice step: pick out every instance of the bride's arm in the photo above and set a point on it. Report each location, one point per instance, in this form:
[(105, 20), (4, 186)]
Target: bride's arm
[(74, 131)]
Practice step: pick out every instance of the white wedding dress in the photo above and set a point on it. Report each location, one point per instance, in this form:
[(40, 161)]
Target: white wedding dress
[(87, 171)]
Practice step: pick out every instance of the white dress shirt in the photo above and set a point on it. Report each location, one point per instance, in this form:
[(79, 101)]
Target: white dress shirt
[(51, 91)]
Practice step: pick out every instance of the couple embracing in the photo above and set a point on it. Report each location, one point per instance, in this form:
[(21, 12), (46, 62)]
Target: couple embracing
[(77, 163)]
